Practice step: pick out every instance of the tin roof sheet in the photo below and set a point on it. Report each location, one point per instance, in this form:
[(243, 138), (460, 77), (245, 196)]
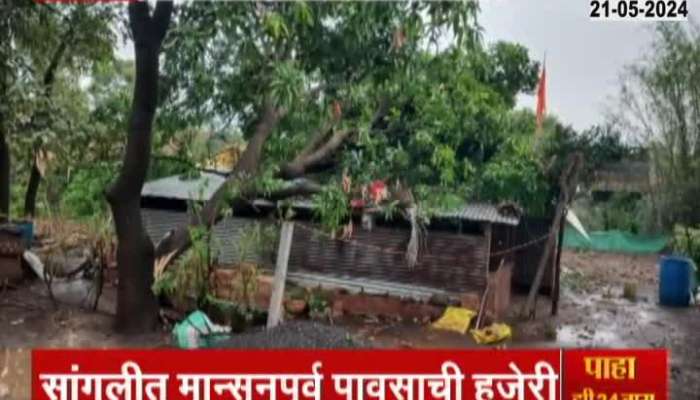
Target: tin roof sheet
[(178, 187), (204, 186)]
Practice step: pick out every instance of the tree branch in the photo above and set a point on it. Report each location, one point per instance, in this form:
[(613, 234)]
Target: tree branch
[(178, 241), (300, 187), (161, 19), (269, 118)]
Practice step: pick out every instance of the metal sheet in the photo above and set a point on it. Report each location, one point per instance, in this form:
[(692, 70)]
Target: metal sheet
[(451, 262)]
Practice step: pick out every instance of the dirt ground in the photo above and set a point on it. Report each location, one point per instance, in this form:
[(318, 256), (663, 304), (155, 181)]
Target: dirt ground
[(594, 311)]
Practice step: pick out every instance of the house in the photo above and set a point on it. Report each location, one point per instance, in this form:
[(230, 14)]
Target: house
[(463, 251), (623, 176)]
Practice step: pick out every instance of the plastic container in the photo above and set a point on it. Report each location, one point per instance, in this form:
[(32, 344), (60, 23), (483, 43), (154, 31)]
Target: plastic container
[(676, 281), (27, 231)]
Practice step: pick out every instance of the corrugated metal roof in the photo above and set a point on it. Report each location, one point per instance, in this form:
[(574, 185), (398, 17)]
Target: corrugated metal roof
[(203, 187), (226, 234), (177, 187), (481, 212)]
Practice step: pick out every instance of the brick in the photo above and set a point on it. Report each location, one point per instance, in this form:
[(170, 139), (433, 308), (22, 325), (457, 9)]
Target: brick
[(471, 301), (383, 306), (337, 310)]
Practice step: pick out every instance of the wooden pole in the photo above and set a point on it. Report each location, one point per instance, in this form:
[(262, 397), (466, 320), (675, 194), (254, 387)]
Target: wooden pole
[(274, 315), (557, 268), (488, 233), (567, 185)]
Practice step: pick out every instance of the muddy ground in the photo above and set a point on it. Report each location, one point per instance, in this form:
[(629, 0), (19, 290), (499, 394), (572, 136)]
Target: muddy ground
[(594, 311)]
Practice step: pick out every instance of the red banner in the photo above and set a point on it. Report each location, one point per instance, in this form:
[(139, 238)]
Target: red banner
[(349, 375), (616, 374)]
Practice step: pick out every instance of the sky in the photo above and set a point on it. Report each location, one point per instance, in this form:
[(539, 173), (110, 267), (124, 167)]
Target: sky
[(585, 58)]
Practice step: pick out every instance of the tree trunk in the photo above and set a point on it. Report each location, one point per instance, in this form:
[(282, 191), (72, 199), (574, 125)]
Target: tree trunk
[(32, 189), (4, 178), (137, 308), (49, 79)]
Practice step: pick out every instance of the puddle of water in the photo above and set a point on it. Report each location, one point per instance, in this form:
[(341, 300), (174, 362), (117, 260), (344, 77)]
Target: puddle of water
[(578, 336)]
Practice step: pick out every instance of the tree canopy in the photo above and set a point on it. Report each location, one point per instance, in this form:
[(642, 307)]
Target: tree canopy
[(342, 94), (396, 84)]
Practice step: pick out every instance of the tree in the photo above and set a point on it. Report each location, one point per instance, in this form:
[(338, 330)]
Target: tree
[(660, 108), (46, 48), (136, 303), (87, 157), (297, 61), (16, 23), (79, 37), (347, 87)]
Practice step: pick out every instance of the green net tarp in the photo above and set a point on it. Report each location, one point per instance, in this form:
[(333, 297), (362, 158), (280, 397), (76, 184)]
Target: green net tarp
[(615, 241)]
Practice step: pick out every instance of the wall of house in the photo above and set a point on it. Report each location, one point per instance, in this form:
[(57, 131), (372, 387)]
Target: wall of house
[(226, 234), (527, 259), (450, 261)]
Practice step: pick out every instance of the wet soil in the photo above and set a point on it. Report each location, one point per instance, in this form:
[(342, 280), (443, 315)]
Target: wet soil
[(594, 312)]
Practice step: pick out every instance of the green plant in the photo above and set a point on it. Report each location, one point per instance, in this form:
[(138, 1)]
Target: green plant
[(629, 291), (550, 331), (187, 282), (575, 280), (84, 194), (255, 240), (331, 207), (318, 302), (686, 241)]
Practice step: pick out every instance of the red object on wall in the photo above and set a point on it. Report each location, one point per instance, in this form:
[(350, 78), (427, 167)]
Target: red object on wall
[(378, 191)]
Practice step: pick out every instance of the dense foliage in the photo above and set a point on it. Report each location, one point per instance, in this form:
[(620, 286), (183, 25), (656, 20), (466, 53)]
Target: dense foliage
[(439, 117), (426, 102), (660, 109)]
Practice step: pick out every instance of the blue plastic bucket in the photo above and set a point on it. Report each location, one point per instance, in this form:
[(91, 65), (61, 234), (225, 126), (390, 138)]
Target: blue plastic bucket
[(26, 229), (676, 281)]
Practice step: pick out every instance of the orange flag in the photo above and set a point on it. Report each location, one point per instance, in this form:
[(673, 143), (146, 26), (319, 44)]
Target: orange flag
[(542, 98)]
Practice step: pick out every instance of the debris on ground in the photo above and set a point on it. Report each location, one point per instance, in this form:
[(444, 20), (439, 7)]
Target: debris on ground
[(78, 287), (294, 334), (197, 331), (455, 319), (491, 334)]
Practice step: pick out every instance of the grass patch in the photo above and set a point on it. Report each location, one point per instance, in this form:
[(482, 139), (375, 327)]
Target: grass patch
[(550, 331), (629, 291), (575, 280)]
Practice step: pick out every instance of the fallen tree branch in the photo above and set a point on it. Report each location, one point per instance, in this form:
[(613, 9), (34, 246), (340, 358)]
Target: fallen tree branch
[(314, 155), (301, 165)]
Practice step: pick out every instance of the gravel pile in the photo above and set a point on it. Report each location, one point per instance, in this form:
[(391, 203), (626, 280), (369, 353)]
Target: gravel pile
[(294, 334)]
